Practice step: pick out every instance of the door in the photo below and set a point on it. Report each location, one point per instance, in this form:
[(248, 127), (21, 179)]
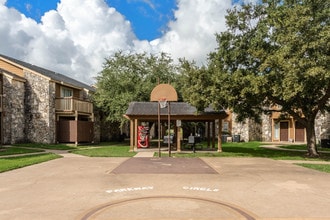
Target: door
[(0, 128), (1, 104), (299, 132), (284, 131)]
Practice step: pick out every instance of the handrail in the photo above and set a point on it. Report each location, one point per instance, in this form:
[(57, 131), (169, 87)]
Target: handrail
[(73, 104)]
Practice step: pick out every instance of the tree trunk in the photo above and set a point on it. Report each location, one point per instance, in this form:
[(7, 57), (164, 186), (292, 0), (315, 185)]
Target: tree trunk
[(311, 139)]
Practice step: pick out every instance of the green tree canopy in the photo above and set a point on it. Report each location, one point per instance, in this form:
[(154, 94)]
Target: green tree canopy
[(130, 77), (272, 54)]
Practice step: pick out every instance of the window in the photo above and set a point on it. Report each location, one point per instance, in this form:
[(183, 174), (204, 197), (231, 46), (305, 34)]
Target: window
[(225, 126), (66, 92), (277, 131)]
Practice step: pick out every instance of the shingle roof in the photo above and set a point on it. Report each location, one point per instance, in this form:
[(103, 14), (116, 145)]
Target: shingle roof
[(176, 108), (51, 74)]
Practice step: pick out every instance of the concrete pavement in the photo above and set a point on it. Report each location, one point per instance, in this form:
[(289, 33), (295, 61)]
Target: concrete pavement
[(77, 187)]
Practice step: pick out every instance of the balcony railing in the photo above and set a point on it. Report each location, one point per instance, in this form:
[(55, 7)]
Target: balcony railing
[(72, 104)]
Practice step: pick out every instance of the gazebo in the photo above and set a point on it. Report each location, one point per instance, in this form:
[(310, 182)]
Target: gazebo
[(163, 107)]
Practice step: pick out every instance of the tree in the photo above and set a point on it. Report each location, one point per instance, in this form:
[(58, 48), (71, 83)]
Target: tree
[(273, 54), (130, 77), (196, 82)]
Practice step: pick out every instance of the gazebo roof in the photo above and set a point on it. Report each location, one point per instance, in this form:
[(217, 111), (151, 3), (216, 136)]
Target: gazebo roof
[(178, 111)]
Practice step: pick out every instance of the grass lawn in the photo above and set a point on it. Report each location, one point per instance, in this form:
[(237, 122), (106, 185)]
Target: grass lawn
[(11, 163), (319, 167), (4, 151), (304, 147), (107, 150), (121, 149), (104, 149), (47, 146), (252, 149)]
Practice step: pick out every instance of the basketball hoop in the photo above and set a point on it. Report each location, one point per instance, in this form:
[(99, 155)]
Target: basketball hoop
[(162, 102)]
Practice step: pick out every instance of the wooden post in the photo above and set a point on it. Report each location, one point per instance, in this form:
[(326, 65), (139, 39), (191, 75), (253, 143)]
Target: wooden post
[(159, 134), (208, 134), (219, 135), (76, 121), (135, 134), (178, 138), (213, 134), (131, 140)]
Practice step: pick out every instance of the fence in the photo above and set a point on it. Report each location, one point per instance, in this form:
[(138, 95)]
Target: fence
[(72, 104)]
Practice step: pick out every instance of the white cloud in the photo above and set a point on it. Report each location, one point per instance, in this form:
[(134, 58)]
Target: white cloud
[(75, 38), (192, 34)]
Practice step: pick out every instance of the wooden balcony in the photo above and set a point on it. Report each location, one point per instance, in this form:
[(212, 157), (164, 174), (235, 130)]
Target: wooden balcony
[(70, 104)]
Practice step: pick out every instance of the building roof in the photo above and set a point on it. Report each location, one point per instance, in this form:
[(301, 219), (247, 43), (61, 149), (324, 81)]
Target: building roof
[(178, 110), (49, 73), (14, 76)]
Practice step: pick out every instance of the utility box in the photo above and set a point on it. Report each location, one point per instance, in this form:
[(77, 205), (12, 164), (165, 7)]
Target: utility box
[(236, 138), (325, 143)]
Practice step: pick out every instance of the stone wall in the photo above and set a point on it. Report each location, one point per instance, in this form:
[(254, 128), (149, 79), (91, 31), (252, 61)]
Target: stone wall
[(13, 118), (248, 130), (39, 109), (52, 113), (266, 129), (322, 126), (255, 131), (251, 131), (240, 128)]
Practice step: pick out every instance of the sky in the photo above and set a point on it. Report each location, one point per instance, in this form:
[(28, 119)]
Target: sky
[(73, 37)]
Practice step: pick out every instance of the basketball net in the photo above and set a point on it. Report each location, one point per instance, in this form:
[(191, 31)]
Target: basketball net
[(162, 103)]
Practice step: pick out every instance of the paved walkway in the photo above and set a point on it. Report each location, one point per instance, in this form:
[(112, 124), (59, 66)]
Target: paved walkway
[(145, 154), (84, 188), (90, 188)]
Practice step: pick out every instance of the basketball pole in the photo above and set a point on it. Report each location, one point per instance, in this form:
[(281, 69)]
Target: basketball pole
[(169, 129), (159, 154)]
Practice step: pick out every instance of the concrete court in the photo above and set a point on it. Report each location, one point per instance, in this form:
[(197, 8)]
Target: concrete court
[(77, 187)]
